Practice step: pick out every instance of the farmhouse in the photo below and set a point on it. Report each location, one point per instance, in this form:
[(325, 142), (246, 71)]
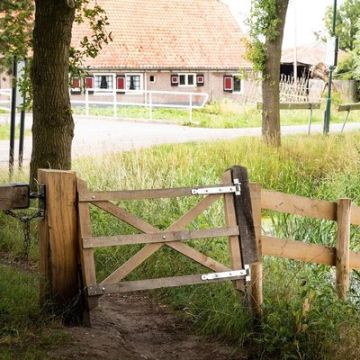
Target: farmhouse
[(169, 46)]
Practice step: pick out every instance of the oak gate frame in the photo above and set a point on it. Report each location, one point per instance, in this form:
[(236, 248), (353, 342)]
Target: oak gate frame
[(244, 244)]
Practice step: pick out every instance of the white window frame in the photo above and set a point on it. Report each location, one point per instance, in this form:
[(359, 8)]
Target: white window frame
[(187, 80), (100, 91), (141, 82), (241, 84)]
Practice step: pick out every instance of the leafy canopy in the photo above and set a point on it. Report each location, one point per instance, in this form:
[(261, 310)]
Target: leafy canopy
[(263, 22), (16, 26)]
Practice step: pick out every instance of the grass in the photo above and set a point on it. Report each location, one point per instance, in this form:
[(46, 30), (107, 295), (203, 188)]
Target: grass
[(223, 114), (5, 132), (25, 332), (302, 317)]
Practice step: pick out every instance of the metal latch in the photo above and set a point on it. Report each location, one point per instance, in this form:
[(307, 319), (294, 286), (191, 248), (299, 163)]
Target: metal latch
[(236, 188), (229, 275)]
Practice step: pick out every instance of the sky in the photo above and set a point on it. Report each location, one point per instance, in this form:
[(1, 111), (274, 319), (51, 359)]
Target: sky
[(306, 15)]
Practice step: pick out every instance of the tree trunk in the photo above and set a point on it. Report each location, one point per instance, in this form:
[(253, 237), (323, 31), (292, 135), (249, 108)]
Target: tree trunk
[(271, 76), (53, 125)]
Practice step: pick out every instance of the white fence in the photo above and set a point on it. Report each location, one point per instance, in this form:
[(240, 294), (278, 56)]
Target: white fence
[(147, 99), (5, 99)]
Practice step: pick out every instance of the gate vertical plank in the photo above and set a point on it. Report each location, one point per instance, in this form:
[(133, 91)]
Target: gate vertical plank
[(87, 255), (257, 268), (230, 218), (58, 239), (342, 247)]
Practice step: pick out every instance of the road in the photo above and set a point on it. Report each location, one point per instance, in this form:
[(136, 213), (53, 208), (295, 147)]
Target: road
[(96, 136)]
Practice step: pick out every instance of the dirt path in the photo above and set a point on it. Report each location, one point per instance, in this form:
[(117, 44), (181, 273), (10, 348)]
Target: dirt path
[(133, 327)]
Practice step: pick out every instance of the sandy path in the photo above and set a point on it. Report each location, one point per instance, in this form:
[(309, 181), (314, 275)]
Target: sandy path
[(133, 327)]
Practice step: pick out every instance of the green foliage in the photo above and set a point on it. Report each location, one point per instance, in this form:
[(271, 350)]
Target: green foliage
[(16, 36), (347, 23), (264, 24), (15, 30)]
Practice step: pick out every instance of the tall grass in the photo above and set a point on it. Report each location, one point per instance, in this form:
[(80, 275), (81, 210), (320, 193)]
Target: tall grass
[(302, 317)]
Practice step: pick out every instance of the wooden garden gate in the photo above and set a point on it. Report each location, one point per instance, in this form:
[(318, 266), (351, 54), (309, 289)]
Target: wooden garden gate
[(239, 229)]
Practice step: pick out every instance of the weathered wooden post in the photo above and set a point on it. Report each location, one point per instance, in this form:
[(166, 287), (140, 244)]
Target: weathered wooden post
[(257, 267), (343, 247), (58, 239), (244, 210)]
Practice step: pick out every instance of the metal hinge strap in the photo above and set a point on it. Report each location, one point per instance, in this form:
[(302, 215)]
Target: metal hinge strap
[(236, 189), (229, 275)]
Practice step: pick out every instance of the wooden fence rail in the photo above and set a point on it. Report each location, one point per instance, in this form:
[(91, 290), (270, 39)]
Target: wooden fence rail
[(67, 243)]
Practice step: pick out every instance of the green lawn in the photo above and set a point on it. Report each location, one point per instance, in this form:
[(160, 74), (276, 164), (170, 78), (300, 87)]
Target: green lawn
[(5, 132), (218, 115), (302, 317)]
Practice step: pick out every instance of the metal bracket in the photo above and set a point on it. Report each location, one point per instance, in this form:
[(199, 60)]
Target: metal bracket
[(41, 196), (229, 275), (95, 290), (236, 188)]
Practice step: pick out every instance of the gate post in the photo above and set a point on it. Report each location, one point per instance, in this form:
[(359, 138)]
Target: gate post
[(58, 240), (257, 267), (342, 247)]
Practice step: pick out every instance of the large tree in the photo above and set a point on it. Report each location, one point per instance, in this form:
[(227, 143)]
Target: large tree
[(52, 58), (267, 22)]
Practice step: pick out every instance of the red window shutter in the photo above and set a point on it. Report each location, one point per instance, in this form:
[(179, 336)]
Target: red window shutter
[(89, 82), (120, 82), (200, 79), (174, 78), (228, 83), (75, 83)]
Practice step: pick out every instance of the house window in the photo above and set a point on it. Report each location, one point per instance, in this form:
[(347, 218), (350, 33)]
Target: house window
[(232, 84), (133, 82), (152, 78), (237, 84), (187, 79), (104, 81)]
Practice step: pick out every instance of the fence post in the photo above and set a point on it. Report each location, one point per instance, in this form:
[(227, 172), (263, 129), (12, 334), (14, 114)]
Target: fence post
[(58, 240), (114, 105), (150, 105), (87, 102), (257, 268), (190, 107), (342, 247)]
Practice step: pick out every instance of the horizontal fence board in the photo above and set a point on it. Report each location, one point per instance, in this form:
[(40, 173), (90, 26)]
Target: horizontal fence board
[(311, 253), (355, 215), (348, 107), (101, 241), (14, 197), (295, 106), (298, 205), (138, 285)]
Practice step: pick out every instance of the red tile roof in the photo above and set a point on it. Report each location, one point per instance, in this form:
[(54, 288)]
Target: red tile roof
[(169, 34)]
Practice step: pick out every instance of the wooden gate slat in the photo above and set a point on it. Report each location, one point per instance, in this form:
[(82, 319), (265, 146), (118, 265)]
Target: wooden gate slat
[(149, 284), (167, 236), (86, 255), (127, 217)]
